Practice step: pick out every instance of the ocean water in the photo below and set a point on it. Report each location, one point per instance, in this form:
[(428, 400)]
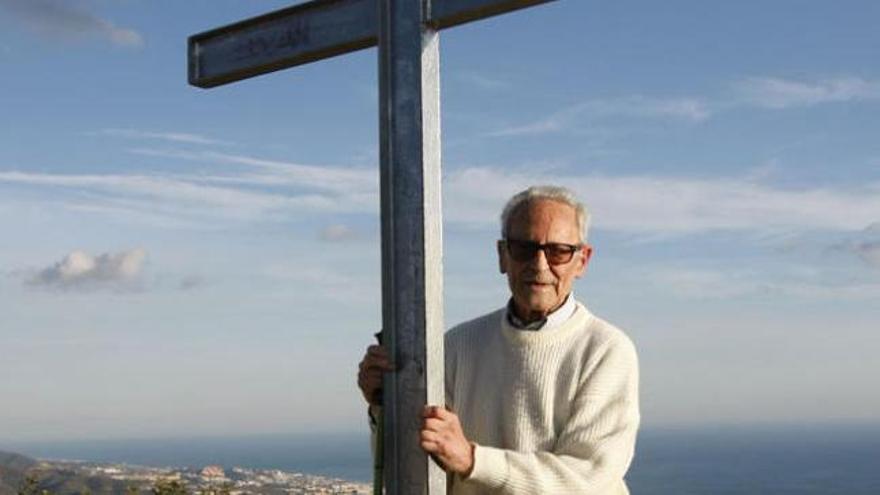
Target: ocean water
[(775, 461), (706, 461)]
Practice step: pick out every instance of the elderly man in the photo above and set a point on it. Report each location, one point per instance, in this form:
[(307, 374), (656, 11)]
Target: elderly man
[(541, 395)]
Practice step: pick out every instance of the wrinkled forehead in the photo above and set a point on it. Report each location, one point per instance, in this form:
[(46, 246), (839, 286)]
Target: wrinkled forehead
[(544, 214)]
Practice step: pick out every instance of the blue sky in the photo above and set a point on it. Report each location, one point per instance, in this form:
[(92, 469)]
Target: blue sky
[(178, 261)]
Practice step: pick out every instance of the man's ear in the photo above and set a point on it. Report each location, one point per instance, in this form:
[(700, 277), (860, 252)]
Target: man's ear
[(501, 257), (584, 259)]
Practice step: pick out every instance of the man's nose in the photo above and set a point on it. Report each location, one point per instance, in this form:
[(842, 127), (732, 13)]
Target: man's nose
[(539, 260)]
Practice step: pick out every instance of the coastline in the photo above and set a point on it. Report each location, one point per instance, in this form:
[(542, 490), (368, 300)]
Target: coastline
[(741, 459)]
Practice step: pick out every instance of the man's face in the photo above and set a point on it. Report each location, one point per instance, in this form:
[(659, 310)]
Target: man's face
[(538, 288)]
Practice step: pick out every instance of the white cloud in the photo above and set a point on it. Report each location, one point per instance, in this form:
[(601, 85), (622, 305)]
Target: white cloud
[(636, 107), (338, 233), (60, 19), (690, 109), (158, 187), (551, 124), (767, 92), (176, 137), (708, 284), (482, 81), (83, 271), (670, 206), (266, 190), (770, 92), (173, 199), (353, 182)]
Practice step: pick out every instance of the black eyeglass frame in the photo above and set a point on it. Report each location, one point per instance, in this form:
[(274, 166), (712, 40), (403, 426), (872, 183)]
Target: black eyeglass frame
[(563, 253)]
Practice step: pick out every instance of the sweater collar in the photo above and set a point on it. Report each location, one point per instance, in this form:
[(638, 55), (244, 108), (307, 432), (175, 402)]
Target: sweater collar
[(551, 321), (578, 321)]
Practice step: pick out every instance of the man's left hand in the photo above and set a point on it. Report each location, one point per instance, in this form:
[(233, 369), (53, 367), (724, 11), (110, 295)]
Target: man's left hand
[(443, 438)]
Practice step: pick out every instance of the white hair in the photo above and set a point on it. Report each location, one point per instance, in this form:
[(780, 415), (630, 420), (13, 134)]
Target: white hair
[(551, 193)]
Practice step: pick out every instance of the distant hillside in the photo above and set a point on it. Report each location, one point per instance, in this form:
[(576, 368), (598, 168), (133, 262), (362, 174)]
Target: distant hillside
[(12, 471), (68, 481), (15, 467), (20, 474)]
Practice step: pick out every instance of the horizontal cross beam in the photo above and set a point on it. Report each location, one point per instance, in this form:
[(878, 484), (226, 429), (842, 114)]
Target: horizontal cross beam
[(313, 31)]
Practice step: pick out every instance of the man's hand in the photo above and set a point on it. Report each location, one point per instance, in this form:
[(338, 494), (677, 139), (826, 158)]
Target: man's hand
[(372, 366), (443, 438)]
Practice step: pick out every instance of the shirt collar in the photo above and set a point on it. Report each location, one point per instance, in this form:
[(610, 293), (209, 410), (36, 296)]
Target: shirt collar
[(553, 320)]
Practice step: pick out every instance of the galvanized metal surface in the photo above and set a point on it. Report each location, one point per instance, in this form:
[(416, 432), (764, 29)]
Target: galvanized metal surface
[(448, 13), (312, 31), (412, 302), (285, 38)]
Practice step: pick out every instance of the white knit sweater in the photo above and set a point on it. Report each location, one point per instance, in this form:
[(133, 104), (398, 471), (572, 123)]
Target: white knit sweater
[(553, 411)]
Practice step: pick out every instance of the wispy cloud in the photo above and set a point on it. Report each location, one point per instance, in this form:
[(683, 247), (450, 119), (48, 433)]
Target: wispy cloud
[(177, 201), (705, 284), (777, 93), (326, 283), (254, 189), (175, 137), (764, 92), (869, 252), (62, 20), (671, 206), (181, 189), (355, 182), (689, 283), (482, 81), (577, 116), (80, 270), (689, 109), (338, 233), (865, 245)]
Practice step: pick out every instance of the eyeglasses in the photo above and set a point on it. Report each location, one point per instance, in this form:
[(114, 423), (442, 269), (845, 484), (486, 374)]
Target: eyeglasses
[(556, 253)]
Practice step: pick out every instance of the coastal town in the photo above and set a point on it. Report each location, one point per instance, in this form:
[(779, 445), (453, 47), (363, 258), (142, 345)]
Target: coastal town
[(214, 480)]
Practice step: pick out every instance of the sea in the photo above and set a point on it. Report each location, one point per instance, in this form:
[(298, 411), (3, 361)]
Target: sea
[(720, 460)]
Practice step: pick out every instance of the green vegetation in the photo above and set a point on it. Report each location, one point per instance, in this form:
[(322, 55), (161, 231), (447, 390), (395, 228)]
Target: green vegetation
[(31, 485), (169, 487), (13, 469)]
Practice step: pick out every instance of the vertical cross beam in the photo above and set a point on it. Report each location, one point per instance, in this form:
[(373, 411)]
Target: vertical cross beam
[(409, 113)]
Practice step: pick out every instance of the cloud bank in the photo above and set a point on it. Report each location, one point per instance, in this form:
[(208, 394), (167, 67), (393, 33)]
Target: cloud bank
[(266, 190), (674, 206), (80, 270)]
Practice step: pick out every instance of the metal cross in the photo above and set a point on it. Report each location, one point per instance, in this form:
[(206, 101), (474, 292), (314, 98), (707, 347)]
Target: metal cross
[(406, 32)]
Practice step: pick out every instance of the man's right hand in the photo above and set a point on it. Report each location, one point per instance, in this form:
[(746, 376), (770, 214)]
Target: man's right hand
[(372, 366)]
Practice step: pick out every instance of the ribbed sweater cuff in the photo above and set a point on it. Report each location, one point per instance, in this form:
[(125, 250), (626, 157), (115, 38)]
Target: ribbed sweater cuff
[(490, 467)]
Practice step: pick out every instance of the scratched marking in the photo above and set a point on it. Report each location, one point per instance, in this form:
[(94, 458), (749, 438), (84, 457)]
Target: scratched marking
[(286, 39)]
